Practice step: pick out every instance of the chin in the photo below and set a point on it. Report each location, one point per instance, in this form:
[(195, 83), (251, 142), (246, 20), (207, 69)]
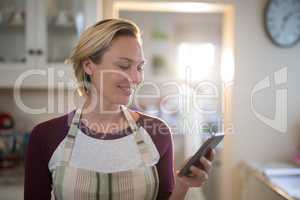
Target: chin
[(122, 100)]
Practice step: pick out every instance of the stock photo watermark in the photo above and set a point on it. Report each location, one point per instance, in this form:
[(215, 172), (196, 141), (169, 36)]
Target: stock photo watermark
[(279, 122), (188, 97)]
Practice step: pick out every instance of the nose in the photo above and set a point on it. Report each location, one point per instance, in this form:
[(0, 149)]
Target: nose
[(135, 76)]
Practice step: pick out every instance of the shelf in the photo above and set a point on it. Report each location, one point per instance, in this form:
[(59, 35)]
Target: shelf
[(12, 28), (59, 28), (50, 76), (18, 62), (31, 34)]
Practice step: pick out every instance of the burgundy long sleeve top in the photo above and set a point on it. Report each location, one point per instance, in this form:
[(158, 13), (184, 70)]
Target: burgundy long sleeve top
[(46, 137)]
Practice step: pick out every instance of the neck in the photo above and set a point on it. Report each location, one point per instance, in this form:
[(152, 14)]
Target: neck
[(104, 111)]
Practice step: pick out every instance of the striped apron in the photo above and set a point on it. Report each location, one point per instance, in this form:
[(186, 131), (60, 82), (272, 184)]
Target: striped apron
[(71, 183)]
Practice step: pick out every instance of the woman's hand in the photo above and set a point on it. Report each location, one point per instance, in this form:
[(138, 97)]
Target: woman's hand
[(196, 179), (198, 176)]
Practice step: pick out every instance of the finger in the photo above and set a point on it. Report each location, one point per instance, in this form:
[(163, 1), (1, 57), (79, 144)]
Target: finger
[(189, 174), (192, 182), (206, 164), (199, 178), (200, 174), (211, 154)]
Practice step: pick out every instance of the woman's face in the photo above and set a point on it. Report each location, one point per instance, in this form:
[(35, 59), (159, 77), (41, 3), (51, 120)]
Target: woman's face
[(120, 70)]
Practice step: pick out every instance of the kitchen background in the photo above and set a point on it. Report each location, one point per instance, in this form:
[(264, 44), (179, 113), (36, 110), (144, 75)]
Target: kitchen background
[(167, 38), (39, 34)]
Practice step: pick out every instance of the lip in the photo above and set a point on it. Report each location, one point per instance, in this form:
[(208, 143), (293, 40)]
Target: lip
[(126, 90)]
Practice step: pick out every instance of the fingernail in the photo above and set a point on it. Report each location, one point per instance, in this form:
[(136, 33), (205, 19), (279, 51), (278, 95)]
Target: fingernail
[(206, 177)]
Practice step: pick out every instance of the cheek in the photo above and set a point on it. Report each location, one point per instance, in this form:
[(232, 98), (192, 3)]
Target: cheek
[(139, 78), (118, 77), (142, 76), (109, 83), (110, 79), (103, 78)]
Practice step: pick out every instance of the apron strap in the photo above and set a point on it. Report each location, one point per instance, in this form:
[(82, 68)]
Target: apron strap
[(142, 146), (73, 130), (75, 122), (70, 138), (129, 118)]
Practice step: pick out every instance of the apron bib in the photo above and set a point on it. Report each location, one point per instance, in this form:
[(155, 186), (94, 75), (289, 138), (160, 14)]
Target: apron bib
[(71, 183)]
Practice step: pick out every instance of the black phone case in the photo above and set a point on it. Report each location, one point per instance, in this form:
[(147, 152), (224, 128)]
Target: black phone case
[(211, 143)]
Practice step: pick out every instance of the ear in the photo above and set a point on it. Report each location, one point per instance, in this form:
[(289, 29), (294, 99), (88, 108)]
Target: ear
[(88, 66)]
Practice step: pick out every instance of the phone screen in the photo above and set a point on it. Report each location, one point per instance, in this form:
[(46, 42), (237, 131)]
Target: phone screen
[(210, 143)]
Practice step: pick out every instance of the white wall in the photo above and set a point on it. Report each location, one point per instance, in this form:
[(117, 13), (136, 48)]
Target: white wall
[(256, 58)]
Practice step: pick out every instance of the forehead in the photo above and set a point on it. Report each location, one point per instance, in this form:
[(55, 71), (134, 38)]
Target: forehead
[(125, 47)]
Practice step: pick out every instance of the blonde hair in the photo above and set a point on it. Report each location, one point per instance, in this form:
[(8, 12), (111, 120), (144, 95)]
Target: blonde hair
[(95, 41)]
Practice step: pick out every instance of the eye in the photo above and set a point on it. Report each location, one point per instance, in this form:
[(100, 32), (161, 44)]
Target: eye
[(140, 68), (124, 67)]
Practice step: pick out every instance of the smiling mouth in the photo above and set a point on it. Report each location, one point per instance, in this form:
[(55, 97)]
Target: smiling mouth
[(127, 90)]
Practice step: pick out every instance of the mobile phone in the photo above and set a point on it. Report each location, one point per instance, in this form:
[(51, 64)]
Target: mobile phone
[(210, 143)]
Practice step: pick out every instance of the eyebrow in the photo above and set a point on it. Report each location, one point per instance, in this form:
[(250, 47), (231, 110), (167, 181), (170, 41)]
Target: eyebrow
[(131, 61)]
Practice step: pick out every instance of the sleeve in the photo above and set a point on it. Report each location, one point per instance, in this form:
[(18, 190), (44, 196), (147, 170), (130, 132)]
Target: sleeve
[(165, 169), (38, 179)]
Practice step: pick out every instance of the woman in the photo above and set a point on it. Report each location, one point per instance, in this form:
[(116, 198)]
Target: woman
[(107, 151)]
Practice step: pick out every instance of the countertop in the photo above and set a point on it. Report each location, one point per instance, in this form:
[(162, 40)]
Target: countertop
[(257, 170)]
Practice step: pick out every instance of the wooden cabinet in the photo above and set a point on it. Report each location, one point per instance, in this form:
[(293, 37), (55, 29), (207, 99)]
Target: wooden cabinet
[(36, 37)]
